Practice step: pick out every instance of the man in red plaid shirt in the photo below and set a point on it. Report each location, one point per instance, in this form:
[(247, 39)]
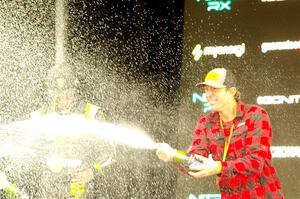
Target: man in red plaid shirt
[(238, 137)]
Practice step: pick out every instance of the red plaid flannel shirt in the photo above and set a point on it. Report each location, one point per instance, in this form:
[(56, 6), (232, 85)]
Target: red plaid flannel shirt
[(247, 171)]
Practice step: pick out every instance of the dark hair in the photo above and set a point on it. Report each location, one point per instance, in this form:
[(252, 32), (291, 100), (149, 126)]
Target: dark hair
[(237, 95)]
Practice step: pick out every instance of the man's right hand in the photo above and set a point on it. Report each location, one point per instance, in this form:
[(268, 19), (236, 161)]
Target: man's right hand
[(165, 152)]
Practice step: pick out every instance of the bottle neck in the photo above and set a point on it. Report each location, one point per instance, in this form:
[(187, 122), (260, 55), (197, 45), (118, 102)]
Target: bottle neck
[(181, 156)]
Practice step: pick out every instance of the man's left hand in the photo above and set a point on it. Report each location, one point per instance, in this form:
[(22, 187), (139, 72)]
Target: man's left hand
[(208, 167)]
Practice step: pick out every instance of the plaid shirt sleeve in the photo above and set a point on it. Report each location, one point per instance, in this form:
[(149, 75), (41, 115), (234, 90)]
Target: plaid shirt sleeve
[(200, 143), (257, 144)]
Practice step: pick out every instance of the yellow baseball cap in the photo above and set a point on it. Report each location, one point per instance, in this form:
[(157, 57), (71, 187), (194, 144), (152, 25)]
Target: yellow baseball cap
[(218, 78)]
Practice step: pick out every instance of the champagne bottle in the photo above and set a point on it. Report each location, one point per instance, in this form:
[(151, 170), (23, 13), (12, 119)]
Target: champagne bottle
[(178, 157), (185, 160)]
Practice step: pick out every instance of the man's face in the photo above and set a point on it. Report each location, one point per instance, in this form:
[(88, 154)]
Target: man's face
[(218, 98), (64, 101)]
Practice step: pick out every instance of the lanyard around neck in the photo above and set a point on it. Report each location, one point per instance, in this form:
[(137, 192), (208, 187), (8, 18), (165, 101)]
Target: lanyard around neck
[(228, 141)]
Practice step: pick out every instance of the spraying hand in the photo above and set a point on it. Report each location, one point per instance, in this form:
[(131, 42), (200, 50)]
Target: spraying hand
[(165, 152)]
